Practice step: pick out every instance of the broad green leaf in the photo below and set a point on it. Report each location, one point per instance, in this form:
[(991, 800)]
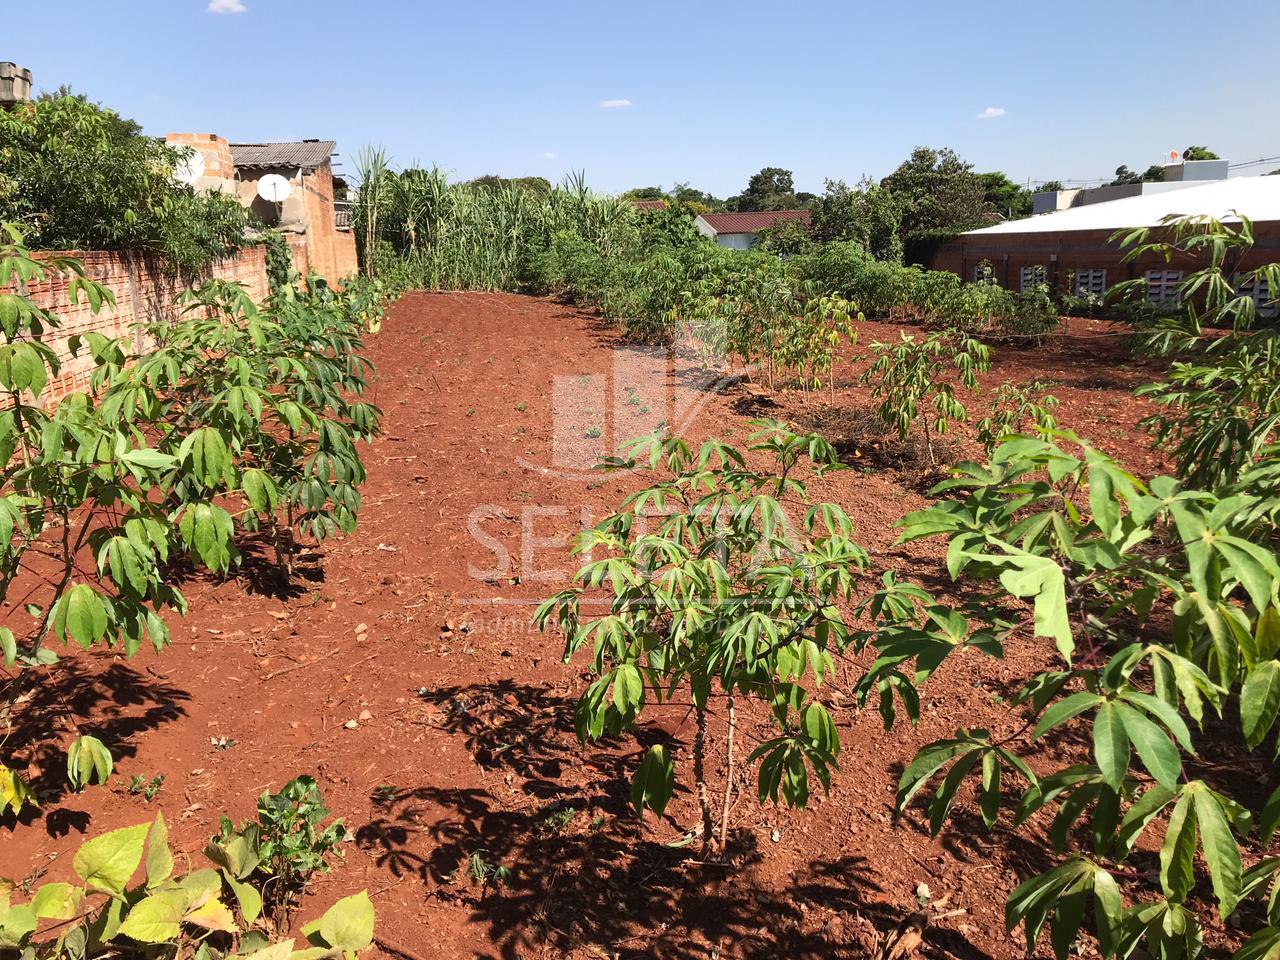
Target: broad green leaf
[(1220, 850), (1177, 855), (88, 758), (1156, 751), (348, 924), (1260, 701), (159, 858), (157, 918), (107, 862), (1110, 745), (57, 901), (654, 782)]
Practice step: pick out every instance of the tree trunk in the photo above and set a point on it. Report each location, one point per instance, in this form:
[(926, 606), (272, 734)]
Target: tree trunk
[(728, 784), (700, 777)]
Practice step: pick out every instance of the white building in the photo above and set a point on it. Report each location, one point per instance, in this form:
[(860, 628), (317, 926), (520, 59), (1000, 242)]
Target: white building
[(741, 231)]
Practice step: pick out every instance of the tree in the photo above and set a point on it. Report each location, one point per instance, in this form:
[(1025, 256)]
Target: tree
[(1004, 196), (645, 193), (1050, 186), (537, 186), (75, 175), (937, 189), (1199, 153), (770, 189), (696, 200), (1124, 176), (867, 214)]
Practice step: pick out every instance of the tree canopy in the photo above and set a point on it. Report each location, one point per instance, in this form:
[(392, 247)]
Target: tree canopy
[(76, 176), (771, 189), (937, 189)]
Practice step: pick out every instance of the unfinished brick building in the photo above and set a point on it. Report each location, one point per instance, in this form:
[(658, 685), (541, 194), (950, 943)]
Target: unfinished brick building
[(310, 210)]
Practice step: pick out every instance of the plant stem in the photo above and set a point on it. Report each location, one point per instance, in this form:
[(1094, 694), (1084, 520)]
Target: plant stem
[(700, 776), (728, 781)]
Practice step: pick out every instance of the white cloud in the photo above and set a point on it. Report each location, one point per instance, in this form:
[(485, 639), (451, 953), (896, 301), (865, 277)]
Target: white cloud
[(548, 156), (615, 104), (991, 113), (227, 6)]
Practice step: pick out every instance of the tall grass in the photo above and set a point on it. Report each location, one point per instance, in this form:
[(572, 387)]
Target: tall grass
[(456, 236)]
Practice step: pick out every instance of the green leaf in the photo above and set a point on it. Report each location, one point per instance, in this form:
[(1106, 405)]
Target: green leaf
[(159, 859), (57, 901), (157, 918), (88, 758), (1177, 855), (1220, 850), (1260, 701), (1063, 710), (347, 925), (1156, 751), (80, 616), (1042, 578), (107, 862), (247, 897), (1110, 746), (654, 782)]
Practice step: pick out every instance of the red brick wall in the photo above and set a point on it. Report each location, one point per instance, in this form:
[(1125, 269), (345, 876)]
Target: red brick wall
[(1062, 253), (144, 291)]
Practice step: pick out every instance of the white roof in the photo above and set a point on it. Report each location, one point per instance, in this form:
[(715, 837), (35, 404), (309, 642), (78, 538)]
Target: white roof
[(1258, 198)]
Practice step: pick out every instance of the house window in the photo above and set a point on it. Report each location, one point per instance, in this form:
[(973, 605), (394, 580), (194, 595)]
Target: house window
[(1162, 287), (1031, 277), (983, 273), (1090, 282), (1257, 290)]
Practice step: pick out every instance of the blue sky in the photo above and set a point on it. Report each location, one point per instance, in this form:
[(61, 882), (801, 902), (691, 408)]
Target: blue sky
[(711, 91)]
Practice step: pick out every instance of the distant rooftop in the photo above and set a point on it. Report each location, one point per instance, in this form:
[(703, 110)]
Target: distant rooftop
[(1257, 198), (752, 222), (307, 154), (649, 204)]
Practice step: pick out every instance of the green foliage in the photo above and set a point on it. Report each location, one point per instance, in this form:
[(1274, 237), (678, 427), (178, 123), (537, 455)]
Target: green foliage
[(713, 586), (868, 215), (285, 846), (909, 378), (935, 188), (1161, 602), (201, 913), (1221, 404), (770, 189), (74, 176), (241, 417), (1015, 409)]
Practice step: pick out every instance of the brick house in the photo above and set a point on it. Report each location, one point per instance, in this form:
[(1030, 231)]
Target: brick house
[(310, 211), (1072, 249)]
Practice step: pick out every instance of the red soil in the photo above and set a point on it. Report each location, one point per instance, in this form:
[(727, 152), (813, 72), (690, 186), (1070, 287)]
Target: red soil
[(420, 624)]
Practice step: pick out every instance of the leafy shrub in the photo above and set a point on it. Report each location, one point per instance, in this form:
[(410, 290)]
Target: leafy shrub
[(76, 176), (1160, 600), (236, 408), (1221, 405), (726, 592), (1015, 408), (908, 378), (189, 914), (286, 845)]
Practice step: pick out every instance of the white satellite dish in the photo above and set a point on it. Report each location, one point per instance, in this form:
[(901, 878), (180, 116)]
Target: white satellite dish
[(274, 188), (190, 168)]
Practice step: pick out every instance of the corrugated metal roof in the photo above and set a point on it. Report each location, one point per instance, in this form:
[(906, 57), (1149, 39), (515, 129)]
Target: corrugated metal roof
[(308, 154), (649, 204), (1257, 198), (751, 222)]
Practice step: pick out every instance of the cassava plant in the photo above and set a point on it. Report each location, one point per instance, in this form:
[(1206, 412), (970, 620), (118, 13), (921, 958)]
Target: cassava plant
[(911, 376), (1220, 401), (716, 595), (1016, 408), (1158, 601)]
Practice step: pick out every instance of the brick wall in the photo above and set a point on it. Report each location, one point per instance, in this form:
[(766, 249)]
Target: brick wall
[(144, 291), (1061, 253)]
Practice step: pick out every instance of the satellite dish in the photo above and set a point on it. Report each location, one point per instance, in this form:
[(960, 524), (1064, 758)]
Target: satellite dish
[(274, 188), (190, 168)]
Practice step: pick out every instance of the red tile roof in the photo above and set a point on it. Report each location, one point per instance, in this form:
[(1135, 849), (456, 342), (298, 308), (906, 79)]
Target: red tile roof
[(649, 204), (752, 222)]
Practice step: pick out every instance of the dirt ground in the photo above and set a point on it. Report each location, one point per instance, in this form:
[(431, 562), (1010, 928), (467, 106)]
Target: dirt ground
[(462, 750)]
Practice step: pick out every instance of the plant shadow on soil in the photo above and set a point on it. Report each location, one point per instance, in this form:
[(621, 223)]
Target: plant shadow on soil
[(114, 705), (584, 878)]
